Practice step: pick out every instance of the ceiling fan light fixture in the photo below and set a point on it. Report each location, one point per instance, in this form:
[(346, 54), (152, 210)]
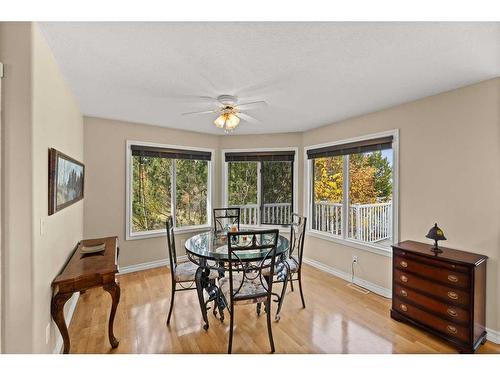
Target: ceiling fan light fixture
[(227, 121)]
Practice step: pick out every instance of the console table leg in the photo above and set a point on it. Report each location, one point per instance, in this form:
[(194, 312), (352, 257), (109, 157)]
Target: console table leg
[(114, 290), (57, 312)]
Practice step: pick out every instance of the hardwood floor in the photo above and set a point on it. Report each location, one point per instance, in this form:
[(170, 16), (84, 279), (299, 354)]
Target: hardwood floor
[(337, 319)]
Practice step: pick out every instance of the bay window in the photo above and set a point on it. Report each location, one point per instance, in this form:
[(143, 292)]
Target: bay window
[(163, 181), (351, 187)]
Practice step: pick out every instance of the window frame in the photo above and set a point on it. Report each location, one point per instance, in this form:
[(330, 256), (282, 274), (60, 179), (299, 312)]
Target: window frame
[(129, 235), (224, 192), (344, 239)]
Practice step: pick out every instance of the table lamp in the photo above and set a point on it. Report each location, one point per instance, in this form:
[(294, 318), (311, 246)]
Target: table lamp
[(436, 234)]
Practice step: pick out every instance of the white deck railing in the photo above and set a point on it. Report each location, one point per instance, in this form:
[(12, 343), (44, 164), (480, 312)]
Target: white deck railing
[(367, 222), (274, 213)]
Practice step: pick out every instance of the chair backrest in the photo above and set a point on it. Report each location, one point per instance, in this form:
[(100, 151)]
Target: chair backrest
[(264, 240), (172, 256), (226, 215), (297, 236)]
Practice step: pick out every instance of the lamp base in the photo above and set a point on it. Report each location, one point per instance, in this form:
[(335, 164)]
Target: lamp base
[(436, 250)]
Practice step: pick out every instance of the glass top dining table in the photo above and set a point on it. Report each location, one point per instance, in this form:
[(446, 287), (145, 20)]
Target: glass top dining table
[(213, 246)]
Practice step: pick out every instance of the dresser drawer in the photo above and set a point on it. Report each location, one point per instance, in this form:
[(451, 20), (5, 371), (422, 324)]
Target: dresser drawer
[(446, 276), (434, 261), (446, 310), (448, 294), (450, 329)]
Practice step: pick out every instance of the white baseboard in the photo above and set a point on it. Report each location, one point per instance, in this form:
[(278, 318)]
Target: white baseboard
[(377, 289), (149, 265), (491, 334), (72, 306)]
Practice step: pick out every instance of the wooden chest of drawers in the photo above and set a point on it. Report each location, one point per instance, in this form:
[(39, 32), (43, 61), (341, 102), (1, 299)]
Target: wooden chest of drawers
[(443, 294)]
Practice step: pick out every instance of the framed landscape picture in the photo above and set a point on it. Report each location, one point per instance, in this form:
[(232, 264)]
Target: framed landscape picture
[(66, 177)]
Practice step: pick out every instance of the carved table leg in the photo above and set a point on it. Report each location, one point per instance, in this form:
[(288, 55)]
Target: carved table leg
[(114, 290), (57, 312)]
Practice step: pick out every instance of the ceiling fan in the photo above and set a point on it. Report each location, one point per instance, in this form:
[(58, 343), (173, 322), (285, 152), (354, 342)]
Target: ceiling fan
[(230, 111)]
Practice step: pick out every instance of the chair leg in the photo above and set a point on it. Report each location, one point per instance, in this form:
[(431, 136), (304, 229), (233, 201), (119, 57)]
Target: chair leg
[(301, 293), (259, 307), (171, 303), (231, 318), (280, 303), (269, 328), (291, 283)]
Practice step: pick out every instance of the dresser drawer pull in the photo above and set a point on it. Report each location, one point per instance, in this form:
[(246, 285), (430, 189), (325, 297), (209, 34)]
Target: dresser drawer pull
[(453, 278), (452, 295), (451, 312), (404, 278), (403, 293), (403, 264), (452, 329), (403, 307)]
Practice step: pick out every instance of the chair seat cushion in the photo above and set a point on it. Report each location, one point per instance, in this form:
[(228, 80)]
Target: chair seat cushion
[(249, 291), (186, 272), (292, 265)]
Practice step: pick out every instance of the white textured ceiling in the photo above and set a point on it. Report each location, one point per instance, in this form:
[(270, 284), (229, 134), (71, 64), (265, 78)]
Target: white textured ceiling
[(311, 74)]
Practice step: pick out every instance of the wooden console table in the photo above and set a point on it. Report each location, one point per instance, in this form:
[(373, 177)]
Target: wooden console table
[(82, 272)]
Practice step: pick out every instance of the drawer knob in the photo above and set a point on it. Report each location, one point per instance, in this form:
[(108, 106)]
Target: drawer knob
[(403, 307), (453, 278), (403, 264), (403, 293), (452, 295), (404, 278), (451, 312), (452, 329)]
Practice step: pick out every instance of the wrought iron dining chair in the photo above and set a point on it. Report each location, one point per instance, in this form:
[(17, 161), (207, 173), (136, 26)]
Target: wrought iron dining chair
[(291, 262), (181, 273), (226, 215), (246, 283)]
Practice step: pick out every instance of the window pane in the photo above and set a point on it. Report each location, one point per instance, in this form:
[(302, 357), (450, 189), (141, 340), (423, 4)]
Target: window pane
[(151, 203), (370, 197), (242, 190), (191, 192), (327, 197), (277, 192)]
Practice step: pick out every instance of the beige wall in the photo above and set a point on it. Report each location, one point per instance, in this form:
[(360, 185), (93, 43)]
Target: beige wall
[(38, 112), (15, 53), (105, 204), (449, 154), (57, 123)]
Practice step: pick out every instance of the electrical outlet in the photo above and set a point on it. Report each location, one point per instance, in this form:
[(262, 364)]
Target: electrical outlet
[(47, 333), (355, 259)]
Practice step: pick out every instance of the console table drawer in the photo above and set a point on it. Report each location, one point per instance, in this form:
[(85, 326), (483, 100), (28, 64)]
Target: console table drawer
[(447, 311), (450, 329), (445, 276), (450, 295)]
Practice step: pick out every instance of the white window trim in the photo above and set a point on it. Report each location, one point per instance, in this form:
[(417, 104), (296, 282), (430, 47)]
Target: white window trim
[(129, 235), (224, 194), (395, 194)]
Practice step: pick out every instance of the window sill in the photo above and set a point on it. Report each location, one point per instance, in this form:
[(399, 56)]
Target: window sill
[(384, 251), (163, 233)]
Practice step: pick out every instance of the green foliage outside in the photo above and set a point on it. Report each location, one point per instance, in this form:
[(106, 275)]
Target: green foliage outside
[(152, 189), (242, 183)]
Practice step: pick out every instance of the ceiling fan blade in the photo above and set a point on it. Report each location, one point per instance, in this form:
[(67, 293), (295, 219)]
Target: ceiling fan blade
[(248, 118), (199, 112), (252, 105)]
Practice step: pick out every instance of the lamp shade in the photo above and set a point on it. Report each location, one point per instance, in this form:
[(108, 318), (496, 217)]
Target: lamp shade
[(436, 233)]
